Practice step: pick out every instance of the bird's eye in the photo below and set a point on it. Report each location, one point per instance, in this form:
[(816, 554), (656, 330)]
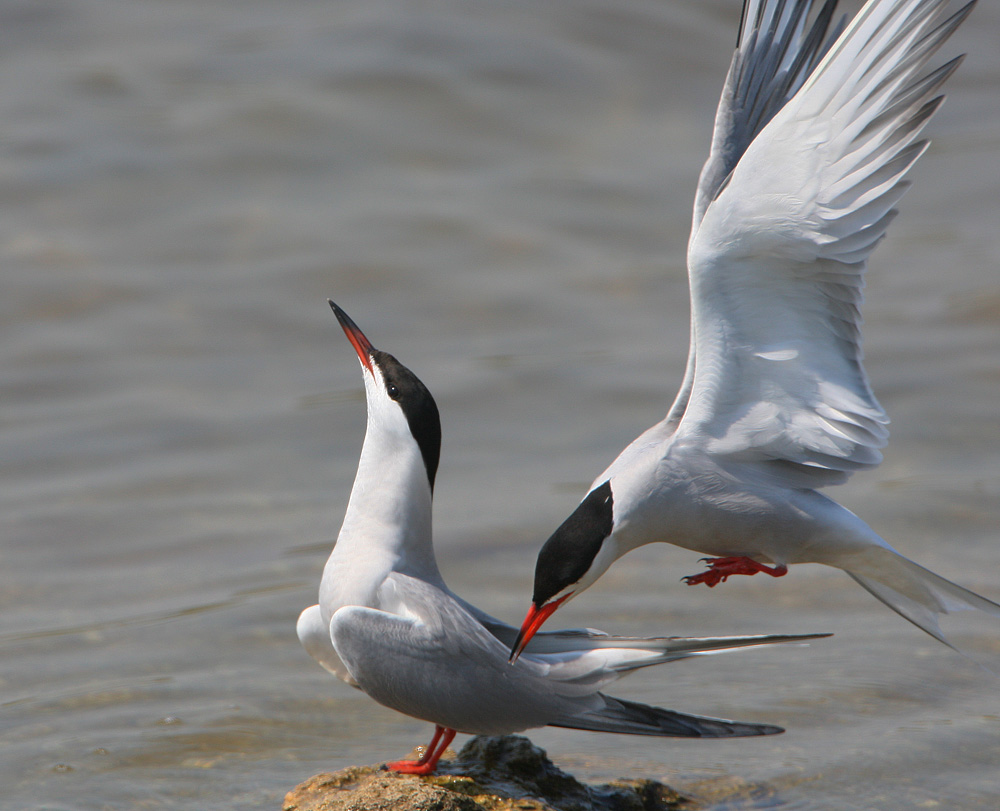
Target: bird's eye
[(393, 390)]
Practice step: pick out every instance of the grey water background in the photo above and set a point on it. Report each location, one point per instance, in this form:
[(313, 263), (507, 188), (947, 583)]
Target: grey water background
[(499, 194)]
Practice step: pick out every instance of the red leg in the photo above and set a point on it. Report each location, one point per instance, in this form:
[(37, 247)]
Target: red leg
[(720, 569), (428, 763)]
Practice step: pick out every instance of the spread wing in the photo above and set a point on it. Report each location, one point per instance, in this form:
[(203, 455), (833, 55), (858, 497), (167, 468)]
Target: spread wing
[(777, 50), (787, 222)]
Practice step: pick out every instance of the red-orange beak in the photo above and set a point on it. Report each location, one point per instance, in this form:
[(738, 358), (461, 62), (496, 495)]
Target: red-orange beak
[(357, 338), (532, 622)]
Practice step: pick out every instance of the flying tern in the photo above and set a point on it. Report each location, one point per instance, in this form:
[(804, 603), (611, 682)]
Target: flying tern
[(816, 128), (387, 623)]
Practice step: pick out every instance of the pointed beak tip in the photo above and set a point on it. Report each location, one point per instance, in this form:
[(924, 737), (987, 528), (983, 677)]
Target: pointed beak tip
[(524, 634), (354, 334), (533, 620), (336, 310), (515, 651)]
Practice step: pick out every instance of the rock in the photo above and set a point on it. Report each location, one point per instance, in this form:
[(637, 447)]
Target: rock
[(506, 773), (365, 788)]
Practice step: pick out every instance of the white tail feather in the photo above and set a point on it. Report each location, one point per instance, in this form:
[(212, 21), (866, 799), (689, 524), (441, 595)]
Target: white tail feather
[(919, 595)]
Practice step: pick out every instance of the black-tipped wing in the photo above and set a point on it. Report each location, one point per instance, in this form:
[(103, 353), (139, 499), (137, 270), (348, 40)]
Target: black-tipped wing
[(779, 44), (632, 718), (776, 263)]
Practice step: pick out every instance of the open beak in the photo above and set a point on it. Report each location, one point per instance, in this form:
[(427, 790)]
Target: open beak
[(532, 622), (357, 338)]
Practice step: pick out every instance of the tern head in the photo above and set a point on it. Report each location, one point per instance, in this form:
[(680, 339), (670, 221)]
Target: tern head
[(571, 560), (399, 405)]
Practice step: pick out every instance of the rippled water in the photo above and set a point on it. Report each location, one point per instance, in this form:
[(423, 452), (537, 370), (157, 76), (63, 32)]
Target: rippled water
[(499, 194)]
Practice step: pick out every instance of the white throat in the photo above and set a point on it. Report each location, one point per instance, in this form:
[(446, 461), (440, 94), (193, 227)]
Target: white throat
[(387, 525)]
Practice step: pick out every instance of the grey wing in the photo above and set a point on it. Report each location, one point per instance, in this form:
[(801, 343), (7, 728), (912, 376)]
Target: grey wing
[(591, 664), (777, 49), (619, 654), (632, 718), (462, 681), (777, 262), (435, 661), (430, 657)]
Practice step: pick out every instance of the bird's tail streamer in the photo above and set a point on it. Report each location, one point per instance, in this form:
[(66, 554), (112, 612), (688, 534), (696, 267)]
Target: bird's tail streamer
[(921, 596)]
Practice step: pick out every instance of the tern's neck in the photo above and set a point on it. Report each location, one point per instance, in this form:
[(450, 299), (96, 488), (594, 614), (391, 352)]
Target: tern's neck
[(387, 526)]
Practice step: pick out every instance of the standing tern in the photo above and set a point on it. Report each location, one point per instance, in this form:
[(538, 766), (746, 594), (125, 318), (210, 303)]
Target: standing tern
[(817, 126), (387, 623)]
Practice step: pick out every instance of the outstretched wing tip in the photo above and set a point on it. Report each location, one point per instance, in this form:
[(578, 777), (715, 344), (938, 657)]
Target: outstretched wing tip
[(801, 186)]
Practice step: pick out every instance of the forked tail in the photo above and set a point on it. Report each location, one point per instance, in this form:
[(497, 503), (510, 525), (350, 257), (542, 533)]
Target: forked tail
[(918, 594)]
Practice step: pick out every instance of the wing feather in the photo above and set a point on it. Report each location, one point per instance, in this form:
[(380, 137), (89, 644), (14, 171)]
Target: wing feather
[(777, 260), (774, 56)]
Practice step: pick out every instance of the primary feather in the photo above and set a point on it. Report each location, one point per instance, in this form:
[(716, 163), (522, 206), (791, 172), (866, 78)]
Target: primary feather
[(777, 261)]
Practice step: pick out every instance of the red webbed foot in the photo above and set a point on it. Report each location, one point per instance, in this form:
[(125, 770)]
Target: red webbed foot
[(411, 766), (720, 569), (428, 763)]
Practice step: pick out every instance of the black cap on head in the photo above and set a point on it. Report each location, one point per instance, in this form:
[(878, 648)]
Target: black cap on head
[(405, 388), (568, 554), (418, 405)]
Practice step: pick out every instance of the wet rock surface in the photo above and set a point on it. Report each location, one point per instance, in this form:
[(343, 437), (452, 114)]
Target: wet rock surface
[(506, 773)]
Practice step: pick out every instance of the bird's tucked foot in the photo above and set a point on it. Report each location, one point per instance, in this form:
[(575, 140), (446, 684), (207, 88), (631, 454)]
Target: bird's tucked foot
[(428, 763), (720, 569)]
